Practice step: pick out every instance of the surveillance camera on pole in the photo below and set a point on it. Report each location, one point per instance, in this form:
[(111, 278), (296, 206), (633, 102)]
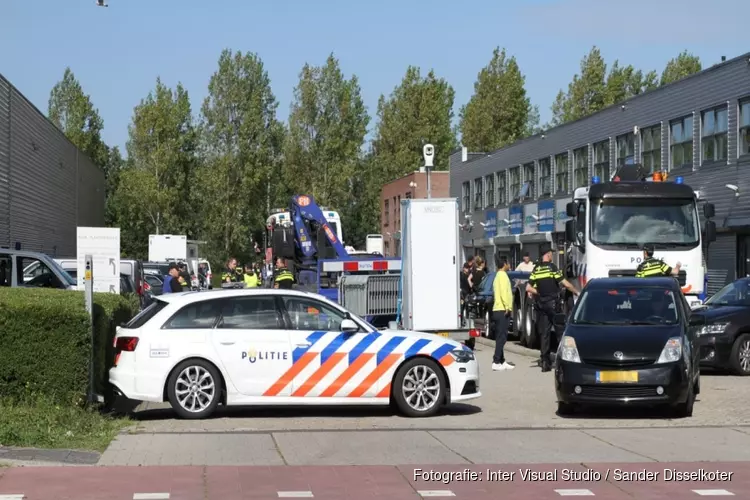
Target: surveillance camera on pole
[(428, 152)]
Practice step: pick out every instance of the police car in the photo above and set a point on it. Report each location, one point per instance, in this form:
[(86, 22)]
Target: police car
[(282, 347)]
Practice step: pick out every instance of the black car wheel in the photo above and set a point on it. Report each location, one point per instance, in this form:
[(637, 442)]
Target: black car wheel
[(739, 362), (684, 410)]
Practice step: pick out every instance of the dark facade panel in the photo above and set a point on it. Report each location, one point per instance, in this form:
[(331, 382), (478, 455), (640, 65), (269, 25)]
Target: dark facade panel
[(4, 162), (46, 173)]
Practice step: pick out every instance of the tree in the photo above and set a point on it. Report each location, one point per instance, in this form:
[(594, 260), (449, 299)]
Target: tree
[(71, 110), (594, 89), (154, 191), (418, 111), (685, 64), (242, 142), (327, 128), (499, 112)]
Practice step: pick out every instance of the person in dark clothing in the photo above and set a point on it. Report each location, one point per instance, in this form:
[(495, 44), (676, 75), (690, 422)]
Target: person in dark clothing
[(544, 284), (231, 273), (172, 279), (478, 275), (465, 290), (283, 279), (185, 279)]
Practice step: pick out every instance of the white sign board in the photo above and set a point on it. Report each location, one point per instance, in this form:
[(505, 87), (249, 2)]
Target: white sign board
[(103, 244)]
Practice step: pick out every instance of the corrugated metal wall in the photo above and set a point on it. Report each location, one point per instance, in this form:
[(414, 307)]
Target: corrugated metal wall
[(722, 258), (47, 188)]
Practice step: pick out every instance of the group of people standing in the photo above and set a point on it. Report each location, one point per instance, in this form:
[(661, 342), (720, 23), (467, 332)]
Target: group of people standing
[(256, 275)]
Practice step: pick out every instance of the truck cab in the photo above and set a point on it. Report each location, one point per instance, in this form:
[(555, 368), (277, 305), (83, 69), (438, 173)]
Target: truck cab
[(612, 221)]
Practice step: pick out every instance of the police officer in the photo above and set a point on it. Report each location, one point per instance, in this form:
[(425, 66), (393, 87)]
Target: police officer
[(651, 267), (184, 278), (544, 284), (283, 278), (231, 273)]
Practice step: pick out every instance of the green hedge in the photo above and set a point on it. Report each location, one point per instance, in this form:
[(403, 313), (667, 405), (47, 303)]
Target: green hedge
[(46, 342)]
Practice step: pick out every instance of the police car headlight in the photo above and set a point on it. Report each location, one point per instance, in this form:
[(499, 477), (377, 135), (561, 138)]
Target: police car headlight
[(462, 355), (672, 351), (713, 329)]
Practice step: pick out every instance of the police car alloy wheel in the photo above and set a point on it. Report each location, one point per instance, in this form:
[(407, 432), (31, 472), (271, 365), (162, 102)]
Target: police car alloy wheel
[(194, 389), (419, 389)]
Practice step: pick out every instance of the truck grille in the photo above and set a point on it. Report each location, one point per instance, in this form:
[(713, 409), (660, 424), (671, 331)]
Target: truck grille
[(630, 273)]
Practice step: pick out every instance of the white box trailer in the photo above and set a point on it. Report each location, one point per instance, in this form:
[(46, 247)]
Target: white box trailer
[(430, 252), (167, 248)]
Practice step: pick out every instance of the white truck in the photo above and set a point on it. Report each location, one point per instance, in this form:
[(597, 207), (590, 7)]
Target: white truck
[(612, 221), (429, 297), (167, 248)]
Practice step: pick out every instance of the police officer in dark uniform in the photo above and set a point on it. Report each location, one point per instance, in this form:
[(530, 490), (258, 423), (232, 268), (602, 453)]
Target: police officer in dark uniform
[(231, 273), (544, 284), (651, 267), (283, 278)]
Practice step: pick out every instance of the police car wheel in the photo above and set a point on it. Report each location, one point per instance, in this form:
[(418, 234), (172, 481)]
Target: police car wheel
[(194, 389), (419, 388)]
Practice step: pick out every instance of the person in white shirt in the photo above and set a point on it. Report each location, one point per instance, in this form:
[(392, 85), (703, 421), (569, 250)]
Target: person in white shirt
[(526, 265)]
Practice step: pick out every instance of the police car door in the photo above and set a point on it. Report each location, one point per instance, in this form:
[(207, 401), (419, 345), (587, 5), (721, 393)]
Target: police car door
[(253, 345), (321, 351)]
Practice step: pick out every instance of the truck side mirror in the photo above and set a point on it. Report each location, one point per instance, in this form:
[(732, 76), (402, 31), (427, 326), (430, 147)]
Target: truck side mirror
[(570, 232), (709, 210), (710, 231), (571, 209)]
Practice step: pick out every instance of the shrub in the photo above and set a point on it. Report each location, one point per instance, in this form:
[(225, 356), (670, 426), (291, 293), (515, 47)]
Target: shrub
[(46, 342)]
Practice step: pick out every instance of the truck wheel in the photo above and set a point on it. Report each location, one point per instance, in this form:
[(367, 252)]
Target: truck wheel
[(488, 326), (530, 328), (518, 320), (419, 388)]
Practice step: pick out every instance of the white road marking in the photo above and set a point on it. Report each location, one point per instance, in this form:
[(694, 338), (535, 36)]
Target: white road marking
[(575, 493), (295, 494), (151, 496), (20, 496), (436, 493), (714, 493)]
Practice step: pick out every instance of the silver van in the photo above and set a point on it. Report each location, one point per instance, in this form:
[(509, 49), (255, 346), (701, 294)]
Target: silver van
[(19, 268)]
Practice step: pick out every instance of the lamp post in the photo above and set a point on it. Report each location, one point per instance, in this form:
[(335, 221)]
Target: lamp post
[(413, 186)]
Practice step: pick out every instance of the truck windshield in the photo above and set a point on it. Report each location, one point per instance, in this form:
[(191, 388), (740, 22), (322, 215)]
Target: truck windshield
[(634, 222)]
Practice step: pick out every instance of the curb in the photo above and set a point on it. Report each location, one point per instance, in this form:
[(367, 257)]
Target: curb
[(15, 456), (510, 347)]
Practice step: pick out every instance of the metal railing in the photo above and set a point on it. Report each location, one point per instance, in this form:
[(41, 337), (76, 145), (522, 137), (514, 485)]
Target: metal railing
[(370, 295)]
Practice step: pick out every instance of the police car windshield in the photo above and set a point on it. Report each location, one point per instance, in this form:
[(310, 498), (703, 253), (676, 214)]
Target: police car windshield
[(632, 222), (626, 306)]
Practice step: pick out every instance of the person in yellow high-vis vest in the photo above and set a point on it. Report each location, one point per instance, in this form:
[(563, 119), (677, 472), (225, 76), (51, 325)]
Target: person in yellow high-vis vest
[(250, 277), (652, 267)]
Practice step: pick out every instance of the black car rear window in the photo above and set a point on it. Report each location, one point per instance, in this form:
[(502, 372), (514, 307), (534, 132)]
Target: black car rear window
[(627, 306), (145, 316)]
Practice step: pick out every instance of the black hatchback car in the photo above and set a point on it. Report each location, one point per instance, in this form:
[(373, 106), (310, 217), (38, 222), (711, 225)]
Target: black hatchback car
[(628, 341), (724, 335)]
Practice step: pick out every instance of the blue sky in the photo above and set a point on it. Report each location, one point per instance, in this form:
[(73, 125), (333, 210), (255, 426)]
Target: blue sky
[(118, 52)]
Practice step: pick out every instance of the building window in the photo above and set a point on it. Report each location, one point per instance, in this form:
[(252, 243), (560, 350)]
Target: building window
[(545, 177), (478, 205), (386, 213), (489, 189), (502, 188), (529, 178), (744, 127), (714, 126), (466, 188), (601, 160), (681, 142), (561, 172), (581, 168), (626, 150), (651, 148), (515, 182)]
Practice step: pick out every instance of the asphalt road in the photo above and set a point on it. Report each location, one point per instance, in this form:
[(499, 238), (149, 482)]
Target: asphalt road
[(514, 422), (520, 399)]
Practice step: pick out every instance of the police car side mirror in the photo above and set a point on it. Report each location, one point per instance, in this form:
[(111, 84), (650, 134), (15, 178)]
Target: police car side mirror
[(349, 326)]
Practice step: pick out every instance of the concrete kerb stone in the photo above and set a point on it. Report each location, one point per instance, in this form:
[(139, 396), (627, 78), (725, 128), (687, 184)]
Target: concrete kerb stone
[(37, 456)]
